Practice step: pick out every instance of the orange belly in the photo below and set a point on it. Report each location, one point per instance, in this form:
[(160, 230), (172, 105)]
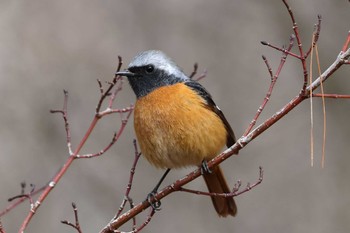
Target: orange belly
[(175, 129)]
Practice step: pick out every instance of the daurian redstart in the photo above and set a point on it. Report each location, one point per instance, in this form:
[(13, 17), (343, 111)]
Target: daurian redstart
[(177, 123)]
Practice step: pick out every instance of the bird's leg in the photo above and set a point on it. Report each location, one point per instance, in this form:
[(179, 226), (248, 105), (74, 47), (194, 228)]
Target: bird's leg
[(156, 203), (204, 168)]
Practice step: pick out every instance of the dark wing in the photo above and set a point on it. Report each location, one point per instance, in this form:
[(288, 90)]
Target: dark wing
[(231, 139)]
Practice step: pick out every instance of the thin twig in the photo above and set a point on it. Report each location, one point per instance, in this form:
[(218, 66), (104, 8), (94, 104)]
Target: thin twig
[(19, 201), (28, 195), (111, 85), (332, 96), (75, 225), (194, 72), (114, 139), (100, 86), (272, 83), (131, 178), (283, 50), (315, 36), (2, 230), (64, 113), (201, 76), (300, 47), (127, 197), (117, 89), (117, 110), (347, 43), (269, 69), (73, 156), (145, 223), (235, 191)]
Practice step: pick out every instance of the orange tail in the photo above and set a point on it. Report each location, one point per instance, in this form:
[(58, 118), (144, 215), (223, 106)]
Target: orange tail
[(217, 184)]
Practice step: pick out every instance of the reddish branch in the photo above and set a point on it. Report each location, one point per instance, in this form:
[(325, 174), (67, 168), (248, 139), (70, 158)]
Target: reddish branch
[(2, 230), (74, 155), (236, 191), (127, 197), (347, 43), (246, 139), (115, 138), (241, 143), (332, 96), (273, 81), (64, 113), (131, 178), (18, 200), (301, 51), (115, 86), (75, 225), (194, 72), (24, 195)]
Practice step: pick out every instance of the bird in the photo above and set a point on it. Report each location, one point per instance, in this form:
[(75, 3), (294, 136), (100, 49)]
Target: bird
[(177, 123)]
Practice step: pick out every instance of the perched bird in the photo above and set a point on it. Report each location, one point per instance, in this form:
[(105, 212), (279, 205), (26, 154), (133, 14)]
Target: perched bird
[(177, 123)]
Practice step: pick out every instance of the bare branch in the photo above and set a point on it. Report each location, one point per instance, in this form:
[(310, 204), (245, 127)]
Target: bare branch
[(235, 191), (241, 143), (64, 113), (114, 139), (111, 85), (2, 230), (272, 84), (316, 35), (74, 155), (75, 225), (346, 44), (19, 201), (131, 178), (332, 96), (194, 72)]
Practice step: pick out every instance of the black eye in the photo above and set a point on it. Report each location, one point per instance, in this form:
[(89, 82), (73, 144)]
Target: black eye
[(149, 69)]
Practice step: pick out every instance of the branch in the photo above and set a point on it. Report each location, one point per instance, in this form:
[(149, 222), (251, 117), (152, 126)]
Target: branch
[(241, 143), (332, 96), (64, 113), (2, 230), (194, 72), (111, 85), (235, 191), (74, 155), (272, 84), (75, 225), (300, 46), (131, 178), (19, 200), (347, 43), (115, 138)]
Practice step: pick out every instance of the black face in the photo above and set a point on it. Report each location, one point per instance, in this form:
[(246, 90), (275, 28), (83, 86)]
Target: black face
[(142, 70), (145, 79)]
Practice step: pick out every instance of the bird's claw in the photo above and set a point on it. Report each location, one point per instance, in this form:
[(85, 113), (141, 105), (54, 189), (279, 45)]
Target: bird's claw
[(204, 168), (155, 204)]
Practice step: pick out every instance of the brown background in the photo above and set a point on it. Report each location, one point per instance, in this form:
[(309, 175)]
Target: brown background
[(48, 46)]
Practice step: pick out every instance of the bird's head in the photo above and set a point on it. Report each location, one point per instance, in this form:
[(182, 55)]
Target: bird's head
[(150, 70)]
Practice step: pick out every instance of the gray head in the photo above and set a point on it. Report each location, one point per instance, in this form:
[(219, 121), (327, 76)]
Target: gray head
[(150, 70)]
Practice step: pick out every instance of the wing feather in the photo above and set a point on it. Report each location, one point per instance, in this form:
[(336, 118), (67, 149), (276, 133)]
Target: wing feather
[(231, 139)]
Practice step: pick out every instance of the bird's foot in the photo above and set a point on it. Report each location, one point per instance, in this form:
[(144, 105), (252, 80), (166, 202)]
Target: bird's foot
[(204, 168), (155, 203)]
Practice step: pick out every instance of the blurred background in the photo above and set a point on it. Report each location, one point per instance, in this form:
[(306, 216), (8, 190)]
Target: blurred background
[(48, 46)]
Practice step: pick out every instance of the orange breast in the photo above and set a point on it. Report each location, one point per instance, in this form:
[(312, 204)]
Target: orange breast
[(175, 129)]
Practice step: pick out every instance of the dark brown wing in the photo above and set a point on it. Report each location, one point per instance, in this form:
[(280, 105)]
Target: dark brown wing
[(231, 139)]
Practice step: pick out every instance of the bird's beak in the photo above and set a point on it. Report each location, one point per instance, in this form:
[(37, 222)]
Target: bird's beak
[(125, 73)]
